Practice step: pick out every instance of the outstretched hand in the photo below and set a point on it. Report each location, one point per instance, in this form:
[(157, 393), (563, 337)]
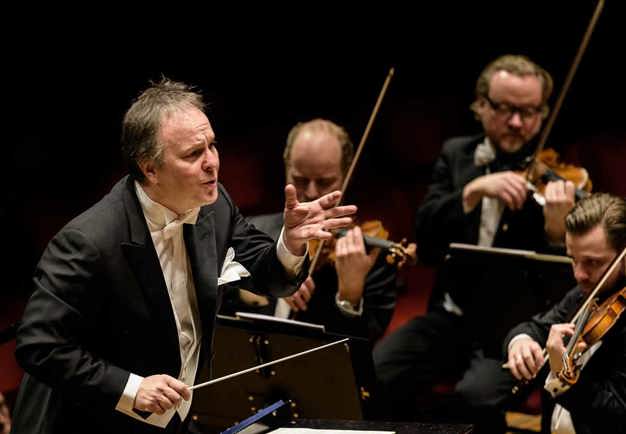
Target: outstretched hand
[(312, 220)]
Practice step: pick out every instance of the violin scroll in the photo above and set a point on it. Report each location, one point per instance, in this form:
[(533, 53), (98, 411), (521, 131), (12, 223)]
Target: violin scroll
[(401, 254), (398, 254)]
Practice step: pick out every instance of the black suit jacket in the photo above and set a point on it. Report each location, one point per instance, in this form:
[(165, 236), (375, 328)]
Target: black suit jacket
[(379, 294), (597, 402), (441, 220), (101, 310), (518, 288)]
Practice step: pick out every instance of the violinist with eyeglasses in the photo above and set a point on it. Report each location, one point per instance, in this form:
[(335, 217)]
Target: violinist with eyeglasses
[(479, 195), (594, 399)]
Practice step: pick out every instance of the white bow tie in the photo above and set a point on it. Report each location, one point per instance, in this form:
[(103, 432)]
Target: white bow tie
[(484, 154), (170, 229)]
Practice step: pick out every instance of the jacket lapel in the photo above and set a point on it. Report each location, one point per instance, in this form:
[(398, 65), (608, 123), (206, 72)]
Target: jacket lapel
[(469, 171), (144, 263), (201, 249)]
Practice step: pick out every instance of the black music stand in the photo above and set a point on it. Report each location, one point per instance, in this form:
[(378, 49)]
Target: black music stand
[(333, 383), (503, 287)]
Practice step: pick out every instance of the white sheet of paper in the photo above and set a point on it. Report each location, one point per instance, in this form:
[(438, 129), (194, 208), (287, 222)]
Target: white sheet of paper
[(260, 316), (325, 431)]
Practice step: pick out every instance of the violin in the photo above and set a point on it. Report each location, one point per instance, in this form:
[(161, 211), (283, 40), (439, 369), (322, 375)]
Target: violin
[(592, 323), (374, 235), (546, 167), (592, 326)]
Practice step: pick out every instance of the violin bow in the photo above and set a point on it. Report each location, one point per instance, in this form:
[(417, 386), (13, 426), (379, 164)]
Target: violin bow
[(357, 154), (552, 117), (566, 85)]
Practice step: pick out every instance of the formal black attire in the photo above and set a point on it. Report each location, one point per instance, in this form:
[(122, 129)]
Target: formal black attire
[(101, 310), (493, 294), (597, 402)]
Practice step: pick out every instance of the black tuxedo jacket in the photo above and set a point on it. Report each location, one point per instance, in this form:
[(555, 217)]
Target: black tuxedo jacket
[(101, 310), (597, 402), (523, 287), (441, 219)]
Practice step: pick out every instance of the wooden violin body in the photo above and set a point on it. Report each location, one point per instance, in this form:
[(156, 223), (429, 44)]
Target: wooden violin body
[(547, 167), (596, 326), (374, 235)]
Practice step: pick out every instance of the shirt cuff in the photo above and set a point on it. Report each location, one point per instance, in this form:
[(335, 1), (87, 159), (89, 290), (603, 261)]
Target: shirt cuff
[(517, 338), (291, 262), (554, 385), (346, 307), (126, 403)]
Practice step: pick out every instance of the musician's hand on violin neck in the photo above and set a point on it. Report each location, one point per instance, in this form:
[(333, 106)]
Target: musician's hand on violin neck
[(525, 358), (560, 200), (510, 187), (352, 264), (555, 345)]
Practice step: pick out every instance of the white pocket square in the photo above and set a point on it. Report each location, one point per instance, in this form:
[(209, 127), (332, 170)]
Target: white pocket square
[(231, 270)]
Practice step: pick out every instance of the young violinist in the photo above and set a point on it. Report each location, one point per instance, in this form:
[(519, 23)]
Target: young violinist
[(596, 402), (477, 196), (356, 295)]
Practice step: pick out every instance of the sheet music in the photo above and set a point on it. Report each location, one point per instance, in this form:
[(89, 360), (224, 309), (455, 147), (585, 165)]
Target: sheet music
[(528, 254), (325, 431), (259, 316)]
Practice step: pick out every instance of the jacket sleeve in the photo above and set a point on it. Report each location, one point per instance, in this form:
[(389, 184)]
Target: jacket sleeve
[(441, 219), (379, 297), (539, 325), (53, 339)]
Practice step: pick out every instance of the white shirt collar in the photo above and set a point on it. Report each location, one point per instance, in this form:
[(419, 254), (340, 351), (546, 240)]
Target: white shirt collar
[(158, 215)]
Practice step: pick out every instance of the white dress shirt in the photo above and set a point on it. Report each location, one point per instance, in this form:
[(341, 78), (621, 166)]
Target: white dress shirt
[(166, 230), (492, 207)]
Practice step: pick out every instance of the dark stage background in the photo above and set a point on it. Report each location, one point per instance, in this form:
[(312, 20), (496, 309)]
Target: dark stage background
[(67, 92)]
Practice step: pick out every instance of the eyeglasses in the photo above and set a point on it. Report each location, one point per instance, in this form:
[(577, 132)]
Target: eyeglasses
[(507, 110)]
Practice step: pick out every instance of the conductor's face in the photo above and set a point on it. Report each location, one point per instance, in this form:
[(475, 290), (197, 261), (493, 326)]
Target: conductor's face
[(187, 175), (592, 254)]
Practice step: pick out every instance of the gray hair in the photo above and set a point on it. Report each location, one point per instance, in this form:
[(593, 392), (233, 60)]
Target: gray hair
[(142, 121)]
